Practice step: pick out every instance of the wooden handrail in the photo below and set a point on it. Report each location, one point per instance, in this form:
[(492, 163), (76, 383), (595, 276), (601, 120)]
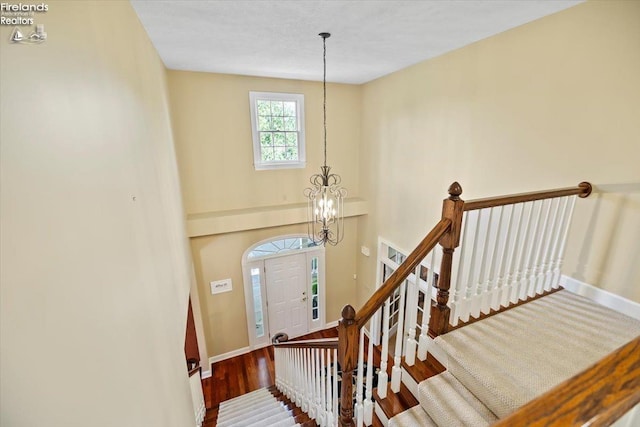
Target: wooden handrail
[(583, 190), (595, 397), (193, 371), (331, 343), (404, 270)]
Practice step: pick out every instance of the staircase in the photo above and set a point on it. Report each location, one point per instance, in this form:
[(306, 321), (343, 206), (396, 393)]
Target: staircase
[(532, 348), (493, 313)]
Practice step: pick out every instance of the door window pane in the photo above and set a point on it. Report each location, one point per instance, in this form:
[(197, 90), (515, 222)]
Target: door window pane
[(315, 314), (257, 302)]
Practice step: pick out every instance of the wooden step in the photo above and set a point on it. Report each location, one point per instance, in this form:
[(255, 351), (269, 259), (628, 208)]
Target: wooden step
[(423, 369), (394, 403), (211, 417), (376, 421)]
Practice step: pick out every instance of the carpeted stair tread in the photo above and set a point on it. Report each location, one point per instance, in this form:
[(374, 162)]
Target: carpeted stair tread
[(414, 417), (252, 414), (252, 400), (284, 423), (268, 420), (450, 404), (511, 358), (249, 395), (258, 408), (244, 409)]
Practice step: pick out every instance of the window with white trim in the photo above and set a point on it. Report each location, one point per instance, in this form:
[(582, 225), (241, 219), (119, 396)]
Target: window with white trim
[(390, 259), (277, 125)]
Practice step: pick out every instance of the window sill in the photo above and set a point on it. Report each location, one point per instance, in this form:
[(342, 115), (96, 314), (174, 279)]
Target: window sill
[(272, 166)]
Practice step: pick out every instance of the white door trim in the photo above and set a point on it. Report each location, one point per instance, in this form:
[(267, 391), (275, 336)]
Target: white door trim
[(258, 262)]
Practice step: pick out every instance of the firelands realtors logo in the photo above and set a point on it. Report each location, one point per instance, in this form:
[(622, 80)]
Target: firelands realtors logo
[(21, 14)]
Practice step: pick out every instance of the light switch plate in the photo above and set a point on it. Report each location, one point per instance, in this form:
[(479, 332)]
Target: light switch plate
[(220, 286)]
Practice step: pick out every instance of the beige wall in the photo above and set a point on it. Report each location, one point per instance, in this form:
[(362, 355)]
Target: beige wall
[(211, 121), (220, 257), (548, 104), (94, 284)]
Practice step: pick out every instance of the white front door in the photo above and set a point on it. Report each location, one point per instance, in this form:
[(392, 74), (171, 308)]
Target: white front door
[(286, 278)]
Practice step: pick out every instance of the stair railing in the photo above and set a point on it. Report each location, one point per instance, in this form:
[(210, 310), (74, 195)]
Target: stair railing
[(307, 373), (512, 249), (351, 327)]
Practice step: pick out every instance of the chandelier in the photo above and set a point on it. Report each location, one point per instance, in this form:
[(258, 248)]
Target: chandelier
[(325, 197)]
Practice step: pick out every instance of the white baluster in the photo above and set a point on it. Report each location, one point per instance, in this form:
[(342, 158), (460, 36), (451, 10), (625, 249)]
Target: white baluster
[(300, 376), (564, 201), (318, 389), (424, 328), (276, 362), (383, 377), (458, 304), (547, 262), (531, 251), (328, 386), (303, 374), (492, 284), (323, 391), (520, 273), (296, 380), (359, 410), (336, 395), (368, 403), (285, 370), (537, 244), (563, 242), (312, 385), (512, 270), (471, 301), (396, 371), (502, 281), (412, 318), (545, 246), (482, 286)]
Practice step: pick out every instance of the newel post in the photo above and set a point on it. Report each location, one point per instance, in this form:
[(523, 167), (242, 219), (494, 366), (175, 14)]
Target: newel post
[(348, 358), (452, 209)]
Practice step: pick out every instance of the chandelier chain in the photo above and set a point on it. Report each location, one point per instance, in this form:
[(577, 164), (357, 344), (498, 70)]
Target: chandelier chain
[(324, 95)]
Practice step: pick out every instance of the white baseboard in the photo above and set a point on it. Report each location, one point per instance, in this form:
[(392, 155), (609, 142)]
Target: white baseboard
[(606, 298), (381, 415), (333, 324), (436, 351), (245, 350), (229, 355)]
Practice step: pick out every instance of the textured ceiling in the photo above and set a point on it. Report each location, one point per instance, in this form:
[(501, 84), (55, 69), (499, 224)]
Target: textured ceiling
[(279, 38)]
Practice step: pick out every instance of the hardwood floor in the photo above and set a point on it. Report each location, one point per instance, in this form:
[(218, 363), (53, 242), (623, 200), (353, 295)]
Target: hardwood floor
[(248, 372)]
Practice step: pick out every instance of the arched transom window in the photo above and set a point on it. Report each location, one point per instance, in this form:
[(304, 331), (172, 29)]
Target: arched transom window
[(281, 246)]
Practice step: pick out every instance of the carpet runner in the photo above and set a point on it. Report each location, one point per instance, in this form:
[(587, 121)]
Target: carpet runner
[(502, 362), (258, 408)]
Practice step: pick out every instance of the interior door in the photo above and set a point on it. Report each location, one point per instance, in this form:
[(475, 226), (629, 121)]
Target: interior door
[(286, 278)]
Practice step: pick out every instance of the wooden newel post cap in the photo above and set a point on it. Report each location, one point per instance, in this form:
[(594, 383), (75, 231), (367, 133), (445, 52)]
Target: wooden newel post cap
[(348, 313), (455, 190), (587, 189)]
